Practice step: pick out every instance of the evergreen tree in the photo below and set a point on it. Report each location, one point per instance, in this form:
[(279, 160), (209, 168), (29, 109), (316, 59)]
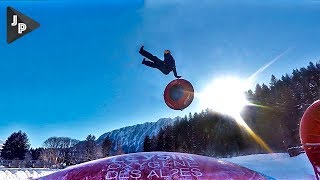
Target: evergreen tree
[(106, 146), (90, 148), (160, 141), (15, 146), (273, 81), (35, 153), (190, 116), (168, 139), (153, 143), (147, 144), (67, 158)]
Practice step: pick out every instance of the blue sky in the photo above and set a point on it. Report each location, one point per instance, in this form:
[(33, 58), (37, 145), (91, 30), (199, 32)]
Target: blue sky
[(80, 72)]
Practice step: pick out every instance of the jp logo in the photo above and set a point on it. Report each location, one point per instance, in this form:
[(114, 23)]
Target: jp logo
[(21, 26), (18, 24)]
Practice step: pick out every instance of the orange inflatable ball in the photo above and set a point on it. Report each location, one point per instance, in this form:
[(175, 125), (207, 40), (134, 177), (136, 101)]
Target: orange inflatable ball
[(178, 94)]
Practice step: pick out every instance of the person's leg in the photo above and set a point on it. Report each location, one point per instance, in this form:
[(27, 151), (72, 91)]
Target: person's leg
[(163, 69), (149, 55), (156, 65), (150, 64)]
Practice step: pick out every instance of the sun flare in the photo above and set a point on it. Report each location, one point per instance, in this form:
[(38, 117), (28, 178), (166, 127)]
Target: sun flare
[(225, 95)]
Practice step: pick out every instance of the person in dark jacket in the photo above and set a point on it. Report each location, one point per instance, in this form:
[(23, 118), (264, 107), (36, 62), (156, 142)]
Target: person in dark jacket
[(165, 66)]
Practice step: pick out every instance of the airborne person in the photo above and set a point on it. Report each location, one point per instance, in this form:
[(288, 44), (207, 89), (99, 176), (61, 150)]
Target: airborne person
[(165, 66)]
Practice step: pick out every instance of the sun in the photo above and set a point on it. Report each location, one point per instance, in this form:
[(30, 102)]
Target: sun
[(225, 95)]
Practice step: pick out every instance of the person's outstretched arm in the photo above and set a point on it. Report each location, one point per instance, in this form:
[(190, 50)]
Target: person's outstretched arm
[(175, 72), (173, 65)]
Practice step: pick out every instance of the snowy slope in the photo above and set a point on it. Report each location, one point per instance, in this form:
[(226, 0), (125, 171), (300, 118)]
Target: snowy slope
[(278, 165), (132, 137)]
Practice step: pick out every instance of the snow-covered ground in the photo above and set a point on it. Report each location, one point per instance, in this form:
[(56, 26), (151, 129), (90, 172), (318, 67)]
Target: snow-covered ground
[(23, 173), (278, 165)]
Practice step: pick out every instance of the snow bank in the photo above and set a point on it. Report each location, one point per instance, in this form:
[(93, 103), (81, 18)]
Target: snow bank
[(23, 174)]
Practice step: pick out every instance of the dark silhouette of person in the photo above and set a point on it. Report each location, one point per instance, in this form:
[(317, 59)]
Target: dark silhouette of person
[(165, 66)]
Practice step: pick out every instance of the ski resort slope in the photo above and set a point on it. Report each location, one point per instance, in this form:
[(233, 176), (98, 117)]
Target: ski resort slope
[(277, 165)]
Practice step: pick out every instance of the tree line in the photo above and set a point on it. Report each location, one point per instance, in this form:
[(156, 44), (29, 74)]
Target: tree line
[(56, 151), (206, 133)]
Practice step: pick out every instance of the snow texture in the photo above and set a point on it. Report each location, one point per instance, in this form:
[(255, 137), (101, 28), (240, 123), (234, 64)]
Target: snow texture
[(24, 173), (277, 165)]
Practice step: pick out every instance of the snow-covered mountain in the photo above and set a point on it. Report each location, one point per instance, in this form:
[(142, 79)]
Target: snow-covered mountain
[(131, 137)]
